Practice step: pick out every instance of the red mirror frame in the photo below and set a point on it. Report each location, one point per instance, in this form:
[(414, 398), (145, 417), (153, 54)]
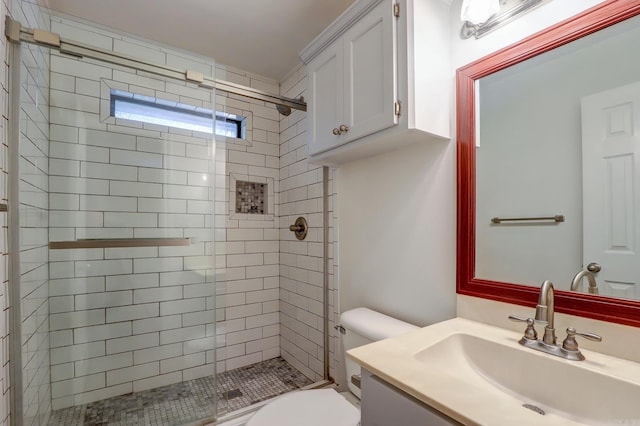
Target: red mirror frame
[(620, 311)]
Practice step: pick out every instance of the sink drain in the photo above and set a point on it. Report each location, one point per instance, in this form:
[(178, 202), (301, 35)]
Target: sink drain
[(534, 408)]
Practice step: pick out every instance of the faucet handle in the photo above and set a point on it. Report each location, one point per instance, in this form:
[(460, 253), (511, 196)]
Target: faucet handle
[(530, 332), (570, 342)]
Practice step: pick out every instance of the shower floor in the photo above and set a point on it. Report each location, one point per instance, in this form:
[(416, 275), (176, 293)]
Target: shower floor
[(188, 401)]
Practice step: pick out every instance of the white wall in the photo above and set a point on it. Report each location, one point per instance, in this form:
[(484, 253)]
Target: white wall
[(301, 262), (396, 233)]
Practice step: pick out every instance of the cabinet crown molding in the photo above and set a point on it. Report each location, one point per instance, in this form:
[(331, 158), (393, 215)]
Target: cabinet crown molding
[(338, 27)]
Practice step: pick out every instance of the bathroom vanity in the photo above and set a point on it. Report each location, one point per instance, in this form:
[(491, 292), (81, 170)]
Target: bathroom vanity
[(465, 372), (384, 404), (379, 78)]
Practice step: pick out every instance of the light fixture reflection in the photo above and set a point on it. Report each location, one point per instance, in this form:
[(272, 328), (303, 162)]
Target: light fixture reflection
[(478, 11), (481, 17)]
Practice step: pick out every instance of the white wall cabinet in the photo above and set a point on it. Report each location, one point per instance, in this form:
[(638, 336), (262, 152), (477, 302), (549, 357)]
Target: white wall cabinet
[(379, 77), (383, 405), (352, 82)]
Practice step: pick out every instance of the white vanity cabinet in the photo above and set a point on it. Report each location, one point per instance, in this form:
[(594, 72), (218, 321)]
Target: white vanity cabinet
[(384, 405), (378, 77)]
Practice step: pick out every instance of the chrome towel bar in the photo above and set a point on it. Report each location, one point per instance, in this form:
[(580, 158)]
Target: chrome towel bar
[(119, 242), (556, 218)]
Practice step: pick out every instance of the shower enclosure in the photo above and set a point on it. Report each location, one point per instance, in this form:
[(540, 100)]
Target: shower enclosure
[(158, 281)]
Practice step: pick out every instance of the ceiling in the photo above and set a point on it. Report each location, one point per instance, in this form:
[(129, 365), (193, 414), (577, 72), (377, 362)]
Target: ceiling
[(260, 36)]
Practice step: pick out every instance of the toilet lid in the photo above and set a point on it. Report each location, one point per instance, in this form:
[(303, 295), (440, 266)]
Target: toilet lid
[(319, 407)]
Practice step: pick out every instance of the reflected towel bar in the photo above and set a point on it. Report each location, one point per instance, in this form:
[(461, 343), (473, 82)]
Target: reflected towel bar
[(556, 218), (119, 242)]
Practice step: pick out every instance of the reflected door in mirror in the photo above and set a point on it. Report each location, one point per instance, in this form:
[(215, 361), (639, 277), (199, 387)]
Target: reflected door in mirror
[(611, 189)]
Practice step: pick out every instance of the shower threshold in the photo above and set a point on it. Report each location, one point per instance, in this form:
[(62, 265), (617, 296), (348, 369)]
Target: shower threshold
[(190, 401)]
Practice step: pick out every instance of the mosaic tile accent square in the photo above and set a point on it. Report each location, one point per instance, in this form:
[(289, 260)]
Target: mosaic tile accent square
[(251, 197), (190, 401)]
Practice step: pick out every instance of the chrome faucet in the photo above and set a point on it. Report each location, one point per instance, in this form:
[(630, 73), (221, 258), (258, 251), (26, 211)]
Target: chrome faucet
[(593, 285), (544, 314)]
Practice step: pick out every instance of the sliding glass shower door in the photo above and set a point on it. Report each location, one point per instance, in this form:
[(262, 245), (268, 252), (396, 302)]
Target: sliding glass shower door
[(123, 190), (124, 202)]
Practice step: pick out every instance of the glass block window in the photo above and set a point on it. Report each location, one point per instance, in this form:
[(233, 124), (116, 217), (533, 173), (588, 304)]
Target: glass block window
[(251, 197)]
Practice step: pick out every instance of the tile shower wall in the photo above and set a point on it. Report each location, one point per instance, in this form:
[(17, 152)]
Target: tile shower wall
[(301, 262), (34, 169), (248, 251), (246, 244), (126, 319)]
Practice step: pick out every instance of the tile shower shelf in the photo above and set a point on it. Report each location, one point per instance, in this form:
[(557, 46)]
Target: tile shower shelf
[(119, 242)]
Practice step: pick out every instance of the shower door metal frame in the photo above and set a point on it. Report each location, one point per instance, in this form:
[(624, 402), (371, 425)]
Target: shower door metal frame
[(16, 32), (13, 234)]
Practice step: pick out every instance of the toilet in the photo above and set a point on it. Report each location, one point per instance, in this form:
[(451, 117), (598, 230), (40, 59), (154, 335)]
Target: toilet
[(322, 407)]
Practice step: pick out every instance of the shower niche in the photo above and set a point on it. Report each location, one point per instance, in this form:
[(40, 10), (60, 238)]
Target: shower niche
[(251, 197)]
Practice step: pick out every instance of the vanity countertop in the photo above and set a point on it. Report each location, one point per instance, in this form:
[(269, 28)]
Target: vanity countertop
[(430, 366)]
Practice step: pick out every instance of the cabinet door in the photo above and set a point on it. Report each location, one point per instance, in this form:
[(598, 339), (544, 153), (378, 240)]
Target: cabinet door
[(370, 81), (325, 108), (385, 405)]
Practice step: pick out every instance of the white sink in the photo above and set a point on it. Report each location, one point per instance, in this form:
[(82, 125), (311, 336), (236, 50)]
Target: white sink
[(565, 388), (479, 374)]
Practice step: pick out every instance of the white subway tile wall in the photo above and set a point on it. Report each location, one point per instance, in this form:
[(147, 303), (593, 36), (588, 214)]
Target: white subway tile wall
[(301, 262), (247, 250), (34, 169), (126, 319)]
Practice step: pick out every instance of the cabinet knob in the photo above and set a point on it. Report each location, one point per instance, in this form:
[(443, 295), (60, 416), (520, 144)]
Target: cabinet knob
[(343, 128), (336, 131)]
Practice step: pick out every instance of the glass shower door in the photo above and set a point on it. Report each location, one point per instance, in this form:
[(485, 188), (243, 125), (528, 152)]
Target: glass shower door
[(131, 285)]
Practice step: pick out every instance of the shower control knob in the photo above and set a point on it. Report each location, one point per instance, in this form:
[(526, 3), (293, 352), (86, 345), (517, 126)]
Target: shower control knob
[(343, 128), (336, 131)]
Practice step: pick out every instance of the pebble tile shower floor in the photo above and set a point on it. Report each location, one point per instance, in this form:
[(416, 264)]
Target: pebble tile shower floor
[(188, 401)]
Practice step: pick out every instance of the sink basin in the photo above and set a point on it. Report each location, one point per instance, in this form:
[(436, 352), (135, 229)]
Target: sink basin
[(479, 375), (554, 385)]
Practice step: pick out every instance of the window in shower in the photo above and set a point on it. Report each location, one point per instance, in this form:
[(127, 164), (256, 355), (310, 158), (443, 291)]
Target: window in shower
[(147, 109)]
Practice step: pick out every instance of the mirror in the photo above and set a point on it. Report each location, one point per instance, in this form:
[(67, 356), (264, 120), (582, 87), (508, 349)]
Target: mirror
[(538, 127)]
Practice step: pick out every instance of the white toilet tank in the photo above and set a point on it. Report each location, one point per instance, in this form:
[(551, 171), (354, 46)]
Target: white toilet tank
[(363, 326)]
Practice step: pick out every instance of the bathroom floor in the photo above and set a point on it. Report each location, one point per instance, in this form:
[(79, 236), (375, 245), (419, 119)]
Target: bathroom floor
[(188, 401)]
